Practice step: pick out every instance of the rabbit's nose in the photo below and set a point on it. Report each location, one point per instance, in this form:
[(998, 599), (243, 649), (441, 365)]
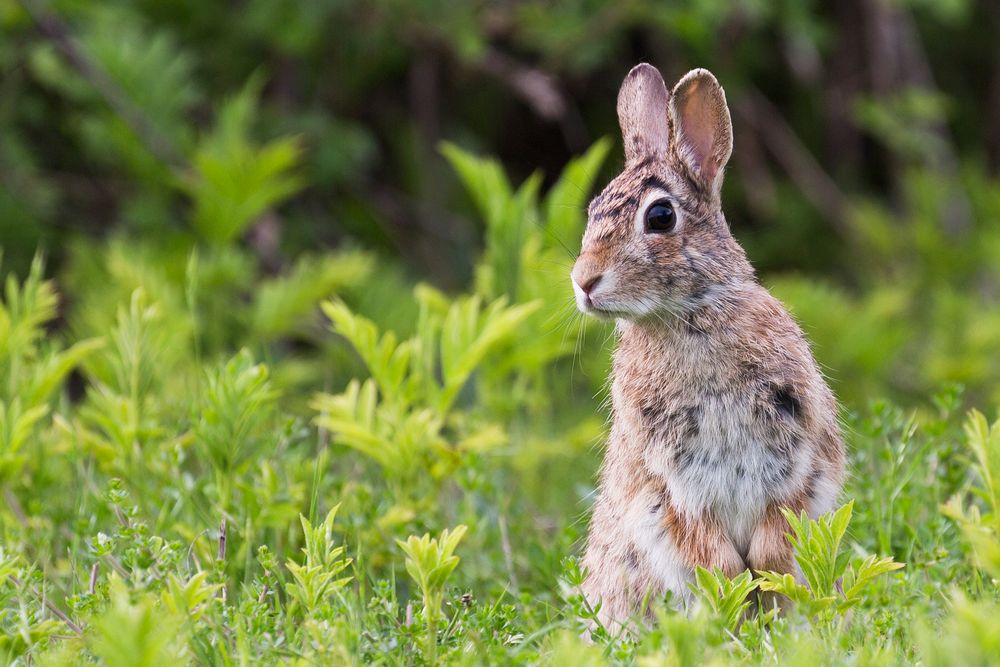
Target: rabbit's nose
[(586, 276), (590, 283)]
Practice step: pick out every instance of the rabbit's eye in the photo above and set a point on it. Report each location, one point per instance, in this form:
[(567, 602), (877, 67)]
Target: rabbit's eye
[(660, 217)]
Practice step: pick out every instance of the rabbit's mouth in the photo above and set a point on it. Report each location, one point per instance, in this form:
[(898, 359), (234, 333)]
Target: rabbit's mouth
[(597, 307), (648, 309), (606, 307), (594, 302), (600, 296), (587, 306), (601, 313)]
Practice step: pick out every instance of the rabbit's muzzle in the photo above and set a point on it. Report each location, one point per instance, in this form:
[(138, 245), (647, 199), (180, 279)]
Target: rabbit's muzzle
[(590, 279)]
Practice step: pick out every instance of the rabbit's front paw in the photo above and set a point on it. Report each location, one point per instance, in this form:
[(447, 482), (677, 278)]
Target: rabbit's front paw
[(728, 560), (769, 546)]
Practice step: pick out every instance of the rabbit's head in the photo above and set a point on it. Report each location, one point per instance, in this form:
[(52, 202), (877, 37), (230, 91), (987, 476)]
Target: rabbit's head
[(656, 243)]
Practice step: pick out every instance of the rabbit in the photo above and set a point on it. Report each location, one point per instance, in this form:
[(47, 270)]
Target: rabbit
[(720, 415)]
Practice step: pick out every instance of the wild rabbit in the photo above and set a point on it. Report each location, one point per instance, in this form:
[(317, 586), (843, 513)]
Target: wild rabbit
[(720, 414)]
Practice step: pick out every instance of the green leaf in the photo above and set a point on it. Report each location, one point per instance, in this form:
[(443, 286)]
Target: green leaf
[(26, 308), (817, 547), (511, 219), (387, 359), (51, 371), (282, 303), (727, 599), (858, 577), (565, 212), (233, 180), (984, 441), (137, 634), (230, 422), (16, 426), (469, 334), (483, 178)]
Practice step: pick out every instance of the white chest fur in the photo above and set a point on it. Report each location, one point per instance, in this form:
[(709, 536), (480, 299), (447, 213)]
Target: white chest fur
[(720, 445), (729, 468)]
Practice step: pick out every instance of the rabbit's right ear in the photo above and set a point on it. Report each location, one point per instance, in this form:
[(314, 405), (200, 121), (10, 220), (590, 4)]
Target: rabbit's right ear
[(642, 114), (704, 131)]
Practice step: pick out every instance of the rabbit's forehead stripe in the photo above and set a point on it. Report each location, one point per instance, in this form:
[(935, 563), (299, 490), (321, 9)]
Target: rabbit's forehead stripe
[(654, 181), (623, 195)]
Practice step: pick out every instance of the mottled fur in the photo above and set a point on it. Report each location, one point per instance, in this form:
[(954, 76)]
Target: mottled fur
[(720, 414)]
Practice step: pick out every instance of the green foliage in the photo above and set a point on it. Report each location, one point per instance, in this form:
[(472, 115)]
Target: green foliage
[(316, 579), (832, 582), (399, 417), (282, 303), (30, 368), (24, 627), (968, 637), (984, 441), (725, 599), (235, 411), (918, 317), (430, 561), (982, 528), (155, 74), (174, 425), (136, 633), (189, 598), (16, 426), (26, 309), (233, 180), (904, 121), (119, 418)]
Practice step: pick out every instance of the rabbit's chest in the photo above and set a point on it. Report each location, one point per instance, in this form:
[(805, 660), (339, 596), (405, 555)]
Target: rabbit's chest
[(721, 451)]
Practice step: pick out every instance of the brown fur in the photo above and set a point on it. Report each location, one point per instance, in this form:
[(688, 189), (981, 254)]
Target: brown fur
[(720, 414), (703, 542), (770, 548)]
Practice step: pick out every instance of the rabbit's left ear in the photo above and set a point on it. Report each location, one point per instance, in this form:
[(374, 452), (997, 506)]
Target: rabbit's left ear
[(642, 114), (702, 128)]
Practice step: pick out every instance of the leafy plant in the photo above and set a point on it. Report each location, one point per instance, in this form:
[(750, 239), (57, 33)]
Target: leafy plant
[(429, 562), (982, 529), (24, 626), (317, 578), (237, 404), (29, 370), (282, 303), (399, 416), (135, 633), (833, 583), (233, 180), (727, 599)]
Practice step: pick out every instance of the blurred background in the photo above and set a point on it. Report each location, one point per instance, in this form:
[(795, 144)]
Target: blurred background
[(864, 182)]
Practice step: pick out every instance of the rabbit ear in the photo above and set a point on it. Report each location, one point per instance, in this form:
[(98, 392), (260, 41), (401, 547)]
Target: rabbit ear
[(642, 114), (703, 130)]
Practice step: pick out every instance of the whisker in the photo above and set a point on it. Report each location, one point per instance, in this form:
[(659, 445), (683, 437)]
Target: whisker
[(559, 263), (552, 235)]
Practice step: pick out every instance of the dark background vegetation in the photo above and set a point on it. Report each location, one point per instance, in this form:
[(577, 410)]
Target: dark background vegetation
[(867, 135), (830, 100)]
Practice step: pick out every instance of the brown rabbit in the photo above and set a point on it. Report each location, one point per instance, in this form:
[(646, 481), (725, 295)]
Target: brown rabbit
[(720, 414)]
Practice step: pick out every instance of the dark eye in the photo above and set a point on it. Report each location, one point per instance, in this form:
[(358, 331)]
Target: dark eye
[(660, 217)]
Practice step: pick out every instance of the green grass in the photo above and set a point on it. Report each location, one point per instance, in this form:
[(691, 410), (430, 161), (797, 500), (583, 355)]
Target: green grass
[(199, 468)]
